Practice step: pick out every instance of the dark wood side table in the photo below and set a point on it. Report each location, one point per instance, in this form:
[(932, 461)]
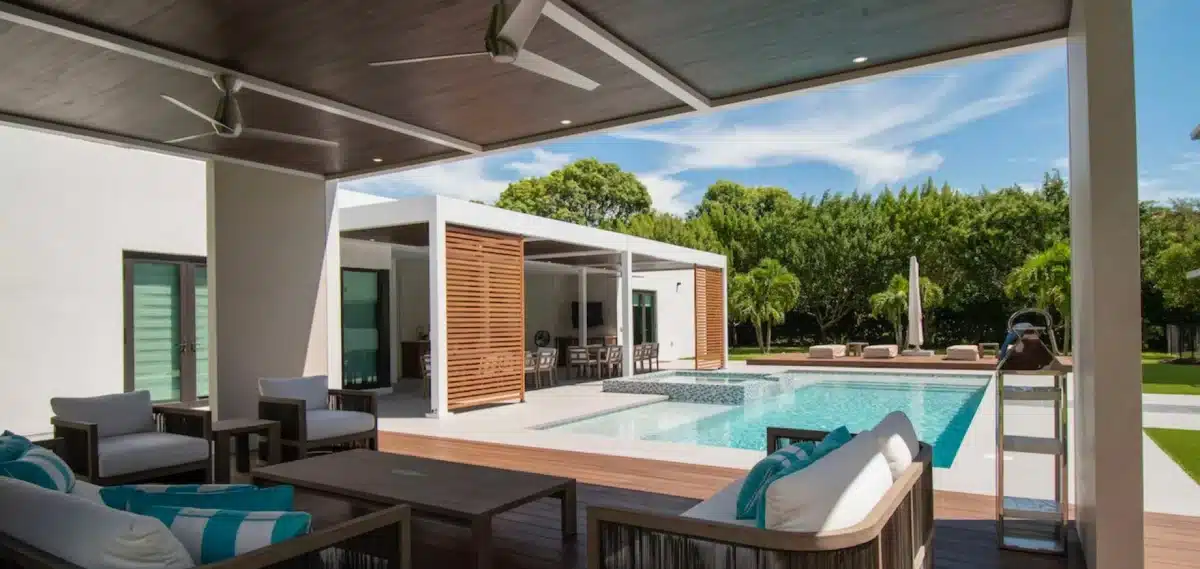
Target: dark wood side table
[(240, 430), (855, 348)]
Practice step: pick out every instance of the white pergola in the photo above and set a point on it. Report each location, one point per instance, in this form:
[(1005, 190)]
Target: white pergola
[(576, 248)]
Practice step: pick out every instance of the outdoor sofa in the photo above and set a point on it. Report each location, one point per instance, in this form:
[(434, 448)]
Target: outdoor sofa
[(881, 351), (896, 533), (49, 529), (827, 352), (963, 353)]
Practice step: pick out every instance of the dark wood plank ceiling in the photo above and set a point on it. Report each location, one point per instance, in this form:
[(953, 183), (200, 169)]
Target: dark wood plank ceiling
[(721, 48)]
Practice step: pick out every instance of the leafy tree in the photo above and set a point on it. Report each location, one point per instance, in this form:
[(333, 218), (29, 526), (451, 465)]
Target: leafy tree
[(763, 297), (1045, 279), (891, 304), (694, 233), (747, 220), (1170, 269), (587, 192)]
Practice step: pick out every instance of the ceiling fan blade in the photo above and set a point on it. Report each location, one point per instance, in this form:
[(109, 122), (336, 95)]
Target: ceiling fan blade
[(187, 138), (520, 23), (192, 110), (286, 137), (530, 61), (430, 58)]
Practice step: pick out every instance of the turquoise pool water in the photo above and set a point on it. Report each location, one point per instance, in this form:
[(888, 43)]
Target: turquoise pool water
[(940, 407)]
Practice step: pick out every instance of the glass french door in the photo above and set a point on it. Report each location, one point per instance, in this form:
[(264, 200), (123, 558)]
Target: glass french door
[(645, 323), (166, 326), (365, 355)]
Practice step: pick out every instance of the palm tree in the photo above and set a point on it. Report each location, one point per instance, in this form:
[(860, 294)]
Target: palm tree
[(1045, 279), (763, 297), (892, 304)]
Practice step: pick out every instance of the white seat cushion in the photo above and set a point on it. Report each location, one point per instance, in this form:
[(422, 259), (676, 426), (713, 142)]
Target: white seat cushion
[(314, 389), (826, 352), (93, 536), (881, 351), (833, 493), (87, 491), (963, 353), (146, 451), (329, 423), (898, 442), (116, 414), (721, 507)]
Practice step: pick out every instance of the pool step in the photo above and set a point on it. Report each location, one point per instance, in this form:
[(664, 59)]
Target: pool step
[(1016, 393), (1035, 445), (1031, 509)]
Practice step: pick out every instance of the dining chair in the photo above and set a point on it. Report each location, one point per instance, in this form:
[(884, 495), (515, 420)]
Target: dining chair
[(579, 359), (531, 367), (612, 360), (653, 355), (547, 362), (426, 374)]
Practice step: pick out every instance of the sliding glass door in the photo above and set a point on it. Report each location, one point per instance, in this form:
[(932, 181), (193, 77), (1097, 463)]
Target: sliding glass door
[(645, 325), (366, 360), (166, 326)]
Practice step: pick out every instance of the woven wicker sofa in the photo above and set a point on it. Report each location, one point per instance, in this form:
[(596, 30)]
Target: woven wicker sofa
[(896, 534)]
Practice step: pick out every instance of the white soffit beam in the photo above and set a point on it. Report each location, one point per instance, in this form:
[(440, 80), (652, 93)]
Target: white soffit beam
[(91, 36), (569, 254), (605, 41)]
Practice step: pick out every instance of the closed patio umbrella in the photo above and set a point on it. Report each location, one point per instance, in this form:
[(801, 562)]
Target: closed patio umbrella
[(916, 330)]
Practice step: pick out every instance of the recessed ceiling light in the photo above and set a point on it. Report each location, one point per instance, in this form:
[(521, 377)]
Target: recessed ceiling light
[(565, 121), (377, 159), (860, 59)]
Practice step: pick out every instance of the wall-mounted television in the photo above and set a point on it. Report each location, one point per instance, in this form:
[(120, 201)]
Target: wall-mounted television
[(595, 314)]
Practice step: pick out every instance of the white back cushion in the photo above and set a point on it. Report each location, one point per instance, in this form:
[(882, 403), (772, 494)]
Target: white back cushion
[(116, 414), (91, 535), (898, 442), (314, 389), (835, 492)]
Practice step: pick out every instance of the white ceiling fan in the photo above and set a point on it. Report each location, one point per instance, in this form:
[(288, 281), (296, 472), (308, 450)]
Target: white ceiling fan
[(227, 121), (505, 43)]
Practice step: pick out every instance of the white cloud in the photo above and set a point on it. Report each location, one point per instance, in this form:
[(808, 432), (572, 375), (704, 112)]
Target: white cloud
[(665, 192), (1063, 164), (1189, 162), (868, 129), (1029, 186), (542, 163)]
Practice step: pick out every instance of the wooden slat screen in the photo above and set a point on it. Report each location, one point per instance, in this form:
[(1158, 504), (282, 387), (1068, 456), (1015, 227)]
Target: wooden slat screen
[(710, 319), (485, 317)]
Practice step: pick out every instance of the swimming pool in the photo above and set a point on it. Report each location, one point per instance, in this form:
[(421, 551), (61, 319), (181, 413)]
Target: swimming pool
[(941, 408)]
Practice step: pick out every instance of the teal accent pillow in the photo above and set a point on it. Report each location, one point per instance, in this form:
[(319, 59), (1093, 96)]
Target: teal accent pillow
[(273, 499), (13, 446), (754, 488), (216, 535), (832, 441), (42, 467), (118, 496)]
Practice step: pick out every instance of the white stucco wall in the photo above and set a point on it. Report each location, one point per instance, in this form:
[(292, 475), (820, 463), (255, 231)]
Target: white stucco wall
[(69, 210)]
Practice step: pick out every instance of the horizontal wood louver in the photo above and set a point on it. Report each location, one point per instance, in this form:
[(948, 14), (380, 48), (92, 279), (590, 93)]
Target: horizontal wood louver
[(710, 319), (485, 317)]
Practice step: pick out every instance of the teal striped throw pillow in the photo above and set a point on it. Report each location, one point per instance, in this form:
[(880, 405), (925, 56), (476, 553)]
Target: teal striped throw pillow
[(215, 535), (832, 441), (118, 496), (12, 446), (789, 458), (42, 467), (273, 499)]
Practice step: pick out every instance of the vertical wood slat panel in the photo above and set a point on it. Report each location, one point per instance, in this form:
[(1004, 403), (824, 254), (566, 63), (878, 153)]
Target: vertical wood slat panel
[(485, 317), (710, 319)]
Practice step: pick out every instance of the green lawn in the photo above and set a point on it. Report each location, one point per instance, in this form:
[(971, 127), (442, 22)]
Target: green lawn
[(1182, 446), (1158, 377), (746, 352)]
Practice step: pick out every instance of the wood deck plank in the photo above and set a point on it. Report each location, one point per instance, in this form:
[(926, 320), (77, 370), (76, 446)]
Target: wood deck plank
[(528, 538)]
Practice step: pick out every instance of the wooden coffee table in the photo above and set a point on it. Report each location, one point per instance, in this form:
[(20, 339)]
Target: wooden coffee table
[(459, 493)]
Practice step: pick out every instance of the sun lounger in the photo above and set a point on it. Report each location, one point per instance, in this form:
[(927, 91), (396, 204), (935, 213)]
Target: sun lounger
[(827, 352), (881, 351), (963, 353)]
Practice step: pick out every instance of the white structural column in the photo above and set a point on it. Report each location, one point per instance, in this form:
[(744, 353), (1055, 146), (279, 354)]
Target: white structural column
[(625, 330), (273, 286), (438, 373), (582, 309), (1105, 284)]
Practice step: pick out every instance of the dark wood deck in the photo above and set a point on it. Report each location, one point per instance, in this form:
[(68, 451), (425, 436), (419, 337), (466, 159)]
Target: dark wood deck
[(938, 362), (528, 537)]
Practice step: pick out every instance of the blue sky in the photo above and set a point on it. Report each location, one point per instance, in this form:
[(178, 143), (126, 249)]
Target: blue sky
[(993, 121)]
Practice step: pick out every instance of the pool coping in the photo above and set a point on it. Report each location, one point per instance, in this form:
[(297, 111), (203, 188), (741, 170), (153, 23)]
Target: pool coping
[(601, 413)]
